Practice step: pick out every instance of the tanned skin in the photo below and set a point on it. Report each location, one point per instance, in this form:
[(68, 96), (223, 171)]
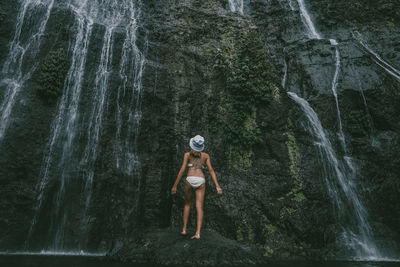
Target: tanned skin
[(199, 192)]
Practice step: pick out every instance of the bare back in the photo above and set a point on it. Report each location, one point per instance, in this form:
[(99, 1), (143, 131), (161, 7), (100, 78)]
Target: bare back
[(198, 164)]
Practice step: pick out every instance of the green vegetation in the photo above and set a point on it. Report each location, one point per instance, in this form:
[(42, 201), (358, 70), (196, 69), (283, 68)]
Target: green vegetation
[(285, 212), (294, 198), (271, 229), (248, 76), (239, 235), (296, 193), (268, 252), (52, 74), (361, 11), (293, 151), (2, 14), (359, 123)]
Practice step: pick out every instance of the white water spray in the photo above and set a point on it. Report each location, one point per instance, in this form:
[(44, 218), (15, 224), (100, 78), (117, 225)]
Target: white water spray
[(334, 91), (14, 73), (285, 69), (63, 126), (339, 177), (63, 150), (378, 60), (236, 6), (307, 21)]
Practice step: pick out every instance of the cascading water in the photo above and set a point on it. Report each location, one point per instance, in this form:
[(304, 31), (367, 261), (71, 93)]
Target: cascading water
[(334, 91), (313, 33), (236, 6), (64, 126), (306, 18), (65, 165), (354, 73), (341, 187), (129, 100), (131, 87), (339, 176), (23, 49), (378, 60), (285, 69)]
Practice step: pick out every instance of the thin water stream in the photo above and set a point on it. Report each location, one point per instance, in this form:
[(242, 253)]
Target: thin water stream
[(23, 48), (378, 59), (339, 176), (236, 6), (65, 164)]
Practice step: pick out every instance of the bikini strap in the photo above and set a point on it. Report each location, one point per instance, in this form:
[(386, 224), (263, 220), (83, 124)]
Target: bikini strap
[(193, 164)]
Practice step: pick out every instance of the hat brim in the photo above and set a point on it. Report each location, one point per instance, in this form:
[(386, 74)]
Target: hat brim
[(195, 147)]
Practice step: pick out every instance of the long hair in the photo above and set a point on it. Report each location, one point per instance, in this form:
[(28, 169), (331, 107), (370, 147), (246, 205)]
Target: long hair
[(195, 154)]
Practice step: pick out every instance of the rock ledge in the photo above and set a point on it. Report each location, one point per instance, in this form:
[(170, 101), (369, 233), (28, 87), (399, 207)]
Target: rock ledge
[(166, 246)]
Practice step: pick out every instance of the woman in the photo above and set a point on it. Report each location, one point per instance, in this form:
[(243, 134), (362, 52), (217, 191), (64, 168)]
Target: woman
[(196, 161)]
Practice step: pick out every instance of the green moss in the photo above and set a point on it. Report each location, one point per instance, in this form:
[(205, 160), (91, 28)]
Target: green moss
[(359, 123), (299, 197), (240, 159), (271, 229), (2, 15), (302, 245), (268, 252), (295, 194), (239, 234), (285, 212), (293, 151), (251, 234), (52, 73), (248, 75)]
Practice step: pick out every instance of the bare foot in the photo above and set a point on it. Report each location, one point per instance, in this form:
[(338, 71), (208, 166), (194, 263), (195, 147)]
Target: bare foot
[(196, 236), (183, 232)]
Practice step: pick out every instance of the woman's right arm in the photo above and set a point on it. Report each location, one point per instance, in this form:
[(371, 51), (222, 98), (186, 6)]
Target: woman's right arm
[(181, 171)]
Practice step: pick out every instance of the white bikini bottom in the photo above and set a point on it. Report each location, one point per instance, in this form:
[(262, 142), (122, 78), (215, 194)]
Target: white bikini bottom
[(195, 181)]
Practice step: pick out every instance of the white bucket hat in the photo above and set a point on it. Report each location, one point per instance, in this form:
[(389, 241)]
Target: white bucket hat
[(197, 143)]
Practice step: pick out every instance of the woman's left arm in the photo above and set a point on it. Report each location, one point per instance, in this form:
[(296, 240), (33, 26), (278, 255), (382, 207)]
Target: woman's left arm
[(213, 176)]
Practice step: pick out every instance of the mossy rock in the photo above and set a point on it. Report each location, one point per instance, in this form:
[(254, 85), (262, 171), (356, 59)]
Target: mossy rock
[(249, 78), (2, 15), (52, 73)]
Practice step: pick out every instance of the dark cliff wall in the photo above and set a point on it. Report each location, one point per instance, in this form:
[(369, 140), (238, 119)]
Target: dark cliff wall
[(212, 72)]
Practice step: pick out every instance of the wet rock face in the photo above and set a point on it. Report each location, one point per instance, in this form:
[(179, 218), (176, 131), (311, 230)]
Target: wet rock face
[(166, 246), (220, 74), (364, 83)]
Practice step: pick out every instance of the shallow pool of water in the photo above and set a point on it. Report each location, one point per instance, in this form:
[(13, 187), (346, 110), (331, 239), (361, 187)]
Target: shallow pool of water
[(92, 261)]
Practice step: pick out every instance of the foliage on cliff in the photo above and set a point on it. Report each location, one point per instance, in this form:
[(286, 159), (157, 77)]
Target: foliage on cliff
[(359, 11), (52, 74), (249, 79), (2, 14)]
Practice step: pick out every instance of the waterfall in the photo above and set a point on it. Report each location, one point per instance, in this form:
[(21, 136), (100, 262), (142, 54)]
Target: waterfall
[(129, 96), (312, 32), (285, 69), (360, 88), (64, 163), (22, 49), (291, 5), (64, 124), (339, 177), (378, 60), (307, 21), (334, 91), (236, 6), (339, 174), (130, 72)]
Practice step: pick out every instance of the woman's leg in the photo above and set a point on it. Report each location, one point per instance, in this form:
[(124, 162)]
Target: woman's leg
[(188, 203), (199, 208)]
